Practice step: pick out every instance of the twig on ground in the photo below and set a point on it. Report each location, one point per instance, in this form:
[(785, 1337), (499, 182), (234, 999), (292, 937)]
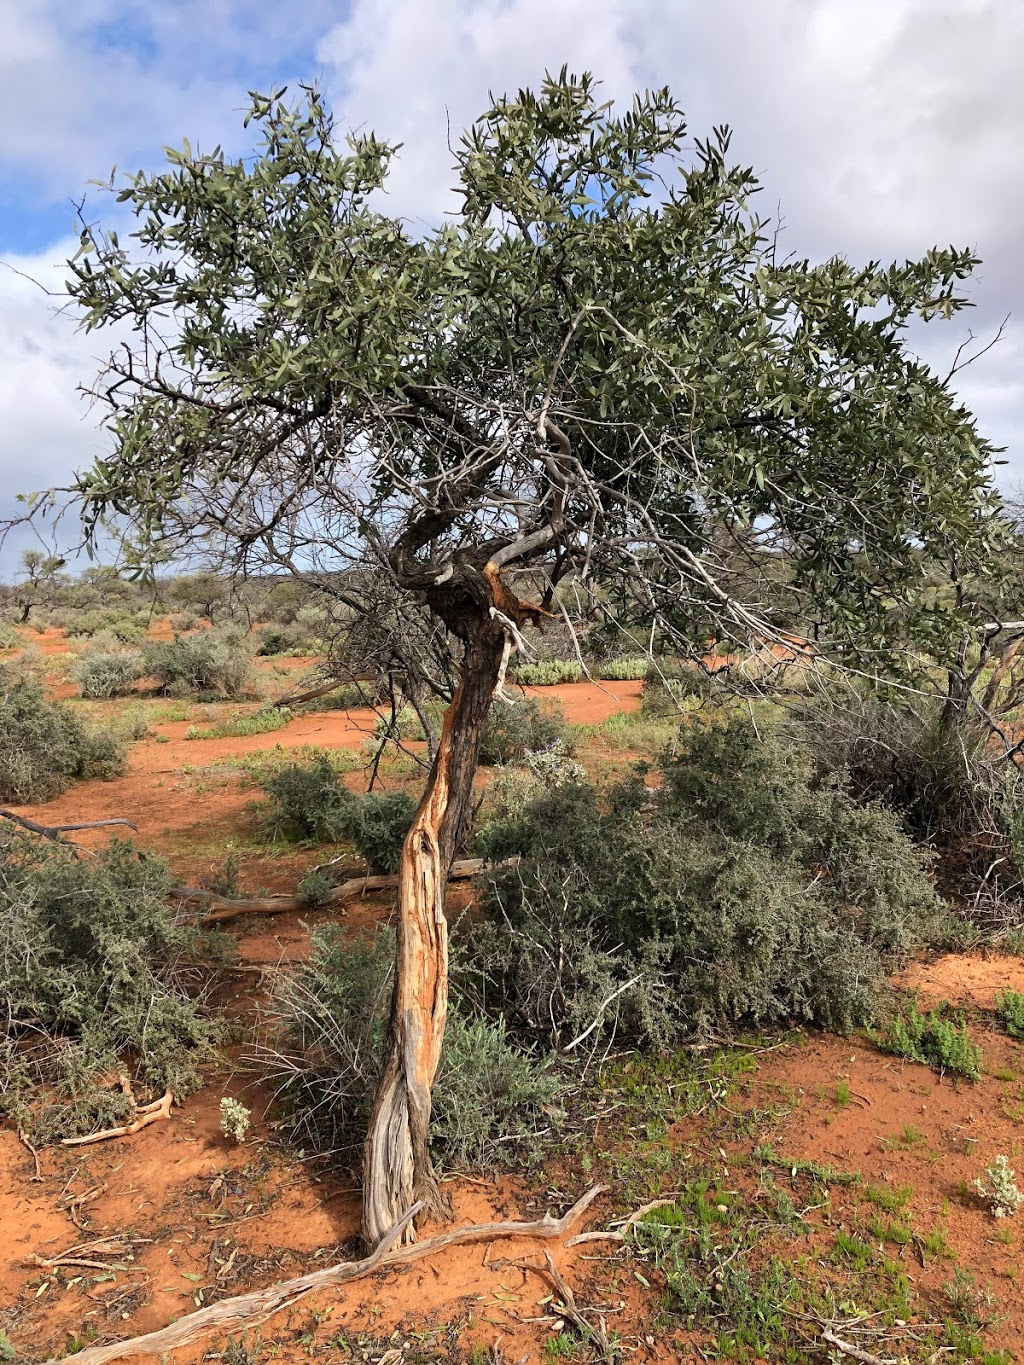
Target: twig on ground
[(854, 1352), (619, 1234), (145, 1115), (568, 1307), (23, 1139), (252, 1309)]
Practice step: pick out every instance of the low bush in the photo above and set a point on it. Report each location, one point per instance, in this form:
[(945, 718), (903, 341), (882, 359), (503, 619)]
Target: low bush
[(934, 1041), (97, 977), (312, 800), (327, 1046), (213, 663), (44, 746), (628, 669), (734, 891), (107, 672), (1010, 1012), (285, 639), (669, 687), (513, 731), (549, 672), (128, 628), (8, 636)]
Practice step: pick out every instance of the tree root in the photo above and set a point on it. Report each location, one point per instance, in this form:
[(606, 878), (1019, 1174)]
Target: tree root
[(224, 907), (145, 1115), (248, 1310)]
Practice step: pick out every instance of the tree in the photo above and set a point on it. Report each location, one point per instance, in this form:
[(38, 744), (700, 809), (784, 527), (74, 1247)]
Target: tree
[(39, 581), (598, 367)]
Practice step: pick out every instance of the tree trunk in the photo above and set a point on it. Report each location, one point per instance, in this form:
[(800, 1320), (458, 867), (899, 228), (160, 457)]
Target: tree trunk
[(397, 1167)]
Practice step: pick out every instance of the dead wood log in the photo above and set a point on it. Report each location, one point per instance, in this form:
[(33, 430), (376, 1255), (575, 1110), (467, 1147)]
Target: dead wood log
[(248, 1310), (224, 908)]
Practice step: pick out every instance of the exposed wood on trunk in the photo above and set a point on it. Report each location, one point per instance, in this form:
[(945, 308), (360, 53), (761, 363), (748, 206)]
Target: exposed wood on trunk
[(228, 907), (249, 1310), (397, 1167)]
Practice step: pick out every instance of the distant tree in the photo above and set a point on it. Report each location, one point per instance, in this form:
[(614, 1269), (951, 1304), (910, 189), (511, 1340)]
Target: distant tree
[(39, 581), (599, 366)]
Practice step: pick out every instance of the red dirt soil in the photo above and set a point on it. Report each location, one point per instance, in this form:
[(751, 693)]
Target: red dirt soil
[(223, 1218)]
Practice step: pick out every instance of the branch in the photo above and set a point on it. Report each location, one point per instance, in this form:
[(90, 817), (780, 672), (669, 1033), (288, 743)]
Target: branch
[(53, 832), (251, 1309)]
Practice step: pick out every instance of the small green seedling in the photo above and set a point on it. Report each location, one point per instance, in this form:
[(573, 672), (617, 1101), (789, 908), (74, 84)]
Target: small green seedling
[(235, 1119)]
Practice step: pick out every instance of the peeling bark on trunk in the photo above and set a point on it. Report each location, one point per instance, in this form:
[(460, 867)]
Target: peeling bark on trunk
[(397, 1169)]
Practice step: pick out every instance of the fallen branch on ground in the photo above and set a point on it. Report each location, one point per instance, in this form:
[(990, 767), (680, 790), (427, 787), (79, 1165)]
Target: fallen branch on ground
[(854, 1352), (53, 832), (225, 907), (145, 1115), (23, 1139), (619, 1234), (567, 1308), (249, 1310)]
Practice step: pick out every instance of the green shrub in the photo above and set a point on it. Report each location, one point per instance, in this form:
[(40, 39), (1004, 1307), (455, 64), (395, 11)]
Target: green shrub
[(315, 888), (129, 629), (44, 746), (549, 672), (284, 639), (631, 668), (312, 799), (1010, 1011), (933, 1041), (669, 686), (330, 1027), (102, 673), (8, 636), (513, 731), (97, 976), (734, 891), (211, 662), (378, 824)]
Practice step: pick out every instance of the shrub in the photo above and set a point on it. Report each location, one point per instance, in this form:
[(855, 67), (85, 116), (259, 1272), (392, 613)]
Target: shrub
[(211, 662), (97, 976), (8, 636), (669, 686), (549, 672), (734, 891), (328, 1043), (999, 1188), (378, 824), (1010, 1010), (284, 639), (526, 727), (315, 888), (314, 801), (235, 1119), (102, 673), (44, 746), (631, 668), (129, 629), (933, 1041), (311, 798)]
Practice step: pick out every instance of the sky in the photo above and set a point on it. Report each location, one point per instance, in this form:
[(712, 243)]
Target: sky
[(878, 127)]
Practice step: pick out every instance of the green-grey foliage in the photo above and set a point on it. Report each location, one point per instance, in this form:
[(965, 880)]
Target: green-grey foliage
[(1010, 1010), (97, 975), (107, 672), (524, 727), (328, 1043), (549, 672), (710, 390), (44, 746), (312, 799), (735, 890), (215, 663), (934, 1041)]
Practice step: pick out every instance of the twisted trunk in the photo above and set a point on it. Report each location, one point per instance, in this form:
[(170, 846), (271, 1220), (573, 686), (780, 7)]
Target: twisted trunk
[(397, 1167)]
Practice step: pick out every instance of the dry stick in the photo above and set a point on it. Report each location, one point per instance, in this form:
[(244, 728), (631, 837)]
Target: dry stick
[(619, 1234), (854, 1352), (147, 1114), (252, 1309), (54, 832), (225, 908), (23, 1139), (597, 1335)]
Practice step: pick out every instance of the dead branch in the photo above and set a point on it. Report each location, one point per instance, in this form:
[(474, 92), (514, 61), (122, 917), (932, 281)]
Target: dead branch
[(854, 1352), (53, 832), (568, 1307), (23, 1139), (225, 908), (145, 1115), (251, 1309), (619, 1234)]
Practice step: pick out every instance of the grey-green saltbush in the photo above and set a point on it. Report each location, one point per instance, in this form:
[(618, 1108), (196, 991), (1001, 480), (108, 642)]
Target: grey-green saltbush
[(737, 890), (214, 663)]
